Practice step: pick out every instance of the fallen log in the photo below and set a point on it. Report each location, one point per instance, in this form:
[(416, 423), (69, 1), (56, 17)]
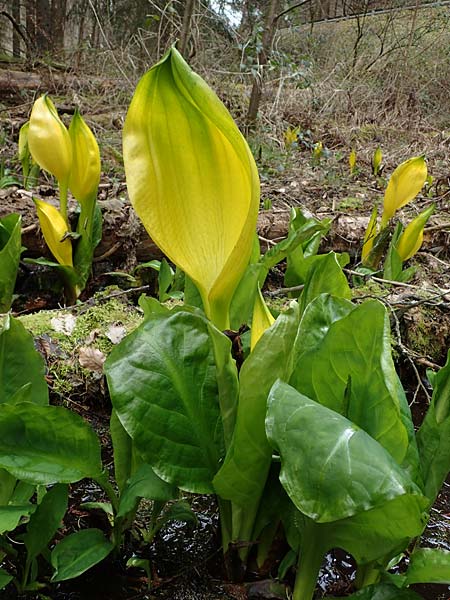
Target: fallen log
[(125, 242)]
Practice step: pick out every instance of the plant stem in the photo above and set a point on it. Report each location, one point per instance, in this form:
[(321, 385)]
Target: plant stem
[(63, 202), (309, 562)]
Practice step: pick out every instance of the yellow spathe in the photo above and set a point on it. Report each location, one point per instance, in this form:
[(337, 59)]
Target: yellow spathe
[(192, 180), (85, 172), (404, 184), (54, 228), (49, 141), (262, 319), (411, 239)]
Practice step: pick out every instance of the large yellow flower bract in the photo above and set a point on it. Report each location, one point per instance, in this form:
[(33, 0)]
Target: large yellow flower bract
[(54, 228), (404, 184), (85, 172), (192, 180), (49, 141)]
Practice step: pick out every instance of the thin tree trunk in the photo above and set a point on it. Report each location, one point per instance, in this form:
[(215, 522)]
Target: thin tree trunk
[(15, 12), (58, 13), (185, 32), (263, 58), (43, 26), (30, 21)]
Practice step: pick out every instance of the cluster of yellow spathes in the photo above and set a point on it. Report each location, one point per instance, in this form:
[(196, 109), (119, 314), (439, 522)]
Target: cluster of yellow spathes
[(404, 184), (73, 157)]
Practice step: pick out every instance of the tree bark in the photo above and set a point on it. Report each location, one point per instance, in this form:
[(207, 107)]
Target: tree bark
[(186, 26), (263, 58), (58, 23), (43, 27), (15, 12)]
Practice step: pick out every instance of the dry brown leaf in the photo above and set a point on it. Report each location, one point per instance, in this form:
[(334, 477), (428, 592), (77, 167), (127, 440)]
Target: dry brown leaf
[(91, 359)]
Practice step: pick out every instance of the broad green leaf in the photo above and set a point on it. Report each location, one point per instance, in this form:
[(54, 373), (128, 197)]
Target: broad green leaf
[(404, 184), (383, 591), (7, 484), (380, 533), (163, 385), (54, 229), (356, 346), (45, 521), (429, 565), (331, 469), (11, 515), (324, 276), (5, 578), (47, 444), (10, 249), (144, 483), (78, 552), (197, 199), (16, 350), (433, 437)]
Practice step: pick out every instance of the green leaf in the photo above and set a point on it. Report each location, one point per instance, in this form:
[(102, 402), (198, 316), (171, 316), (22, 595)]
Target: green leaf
[(162, 380), (78, 552), (324, 276), (433, 437), (124, 455), (10, 249), (380, 533), (243, 474), (331, 469), (5, 578), (47, 444), (178, 511), (10, 515), (245, 294), (165, 279), (16, 350), (357, 345), (393, 263), (429, 565), (144, 484), (45, 521)]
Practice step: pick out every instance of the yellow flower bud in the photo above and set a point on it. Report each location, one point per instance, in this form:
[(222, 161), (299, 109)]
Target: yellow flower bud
[(262, 319), (23, 141), (85, 173), (404, 184), (54, 228), (192, 180), (411, 239), (369, 236), (49, 141)]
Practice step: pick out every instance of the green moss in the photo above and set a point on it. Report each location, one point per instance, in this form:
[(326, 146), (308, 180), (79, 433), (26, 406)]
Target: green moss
[(90, 326)]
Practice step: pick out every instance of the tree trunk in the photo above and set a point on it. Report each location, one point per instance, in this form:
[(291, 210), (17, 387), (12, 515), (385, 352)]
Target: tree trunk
[(43, 26), (58, 15), (15, 12), (30, 20), (263, 58), (185, 32)]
